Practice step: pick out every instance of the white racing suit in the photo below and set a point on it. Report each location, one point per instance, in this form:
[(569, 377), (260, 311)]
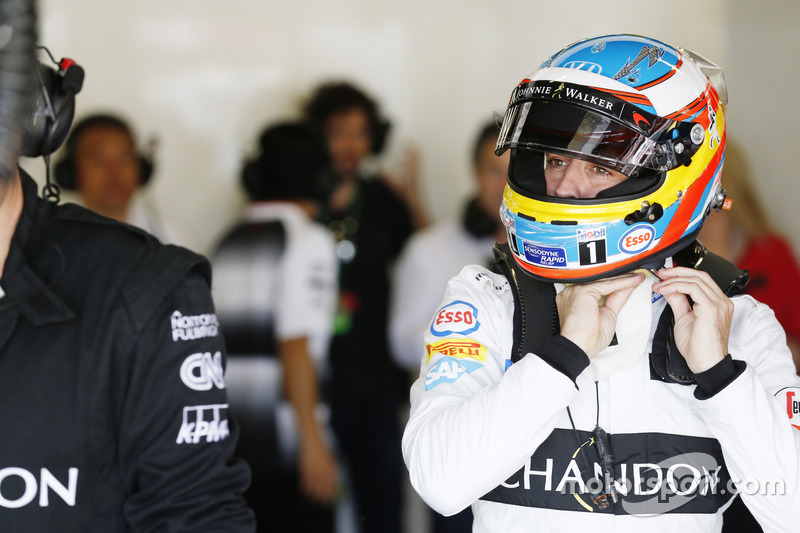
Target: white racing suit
[(497, 436)]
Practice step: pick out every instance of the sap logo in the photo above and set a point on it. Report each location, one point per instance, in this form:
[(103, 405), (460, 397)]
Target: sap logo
[(201, 371), (203, 422), (456, 317), (636, 239), (584, 65), (792, 403), (187, 328), (457, 348), (448, 370), (19, 478)]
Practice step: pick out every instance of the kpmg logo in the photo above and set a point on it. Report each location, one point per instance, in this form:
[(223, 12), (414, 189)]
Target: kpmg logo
[(202, 371), (584, 65), (204, 422)]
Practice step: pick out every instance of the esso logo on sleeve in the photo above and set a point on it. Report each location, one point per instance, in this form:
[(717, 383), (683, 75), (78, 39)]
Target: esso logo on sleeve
[(636, 239), (456, 317)]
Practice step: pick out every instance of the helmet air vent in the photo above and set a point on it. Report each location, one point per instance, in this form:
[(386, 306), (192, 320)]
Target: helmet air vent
[(648, 213)]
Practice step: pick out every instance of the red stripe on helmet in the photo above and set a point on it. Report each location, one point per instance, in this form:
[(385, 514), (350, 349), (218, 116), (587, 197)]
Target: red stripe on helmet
[(689, 201), (663, 78), (694, 108)]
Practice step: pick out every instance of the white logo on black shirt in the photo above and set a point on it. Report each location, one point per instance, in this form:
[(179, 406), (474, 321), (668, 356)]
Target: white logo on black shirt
[(202, 371), (191, 327), (209, 422)]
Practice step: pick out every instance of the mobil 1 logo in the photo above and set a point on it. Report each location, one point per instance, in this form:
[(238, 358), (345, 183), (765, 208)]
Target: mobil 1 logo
[(592, 246)]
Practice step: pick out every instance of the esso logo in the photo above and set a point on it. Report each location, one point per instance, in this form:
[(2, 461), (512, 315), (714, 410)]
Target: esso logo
[(456, 317), (636, 239)]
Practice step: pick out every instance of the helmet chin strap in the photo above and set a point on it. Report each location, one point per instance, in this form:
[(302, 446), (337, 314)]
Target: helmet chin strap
[(633, 332)]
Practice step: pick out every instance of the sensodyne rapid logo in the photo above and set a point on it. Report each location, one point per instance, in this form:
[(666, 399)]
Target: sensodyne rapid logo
[(191, 327), (544, 256)]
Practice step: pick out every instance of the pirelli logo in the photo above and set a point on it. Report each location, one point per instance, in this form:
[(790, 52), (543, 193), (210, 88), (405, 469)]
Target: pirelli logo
[(458, 348)]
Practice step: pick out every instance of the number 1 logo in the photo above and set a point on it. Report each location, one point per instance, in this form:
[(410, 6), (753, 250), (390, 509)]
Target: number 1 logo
[(592, 252)]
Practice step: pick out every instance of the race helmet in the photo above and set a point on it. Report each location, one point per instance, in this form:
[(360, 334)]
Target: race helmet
[(631, 104)]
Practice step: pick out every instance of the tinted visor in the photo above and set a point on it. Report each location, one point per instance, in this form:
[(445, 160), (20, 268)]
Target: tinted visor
[(569, 129)]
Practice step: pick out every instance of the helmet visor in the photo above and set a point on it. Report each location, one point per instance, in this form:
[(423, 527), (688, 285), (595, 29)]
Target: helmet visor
[(566, 128)]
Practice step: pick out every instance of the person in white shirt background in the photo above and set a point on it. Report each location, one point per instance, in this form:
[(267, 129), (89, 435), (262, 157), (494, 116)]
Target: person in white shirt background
[(435, 254)]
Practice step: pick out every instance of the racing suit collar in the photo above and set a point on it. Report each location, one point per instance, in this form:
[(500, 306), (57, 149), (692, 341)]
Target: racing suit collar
[(33, 266)]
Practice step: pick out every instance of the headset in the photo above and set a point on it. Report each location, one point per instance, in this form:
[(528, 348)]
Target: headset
[(54, 107), (51, 114), (65, 172), (44, 130)]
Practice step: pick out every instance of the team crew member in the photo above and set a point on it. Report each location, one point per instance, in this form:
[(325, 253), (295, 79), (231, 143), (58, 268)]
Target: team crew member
[(275, 289), (115, 416), (436, 253), (601, 378), (109, 175), (370, 224)]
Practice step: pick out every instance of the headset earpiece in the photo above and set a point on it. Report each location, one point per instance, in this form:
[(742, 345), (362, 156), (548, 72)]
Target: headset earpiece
[(380, 132), (146, 167), (53, 109)]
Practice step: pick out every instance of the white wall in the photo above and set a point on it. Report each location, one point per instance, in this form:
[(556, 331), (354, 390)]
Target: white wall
[(762, 43), (205, 76)]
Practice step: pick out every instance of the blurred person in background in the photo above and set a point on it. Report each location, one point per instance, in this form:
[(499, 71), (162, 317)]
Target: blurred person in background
[(744, 236), (275, 288), (370, 223), (108, 174), (437, 253)]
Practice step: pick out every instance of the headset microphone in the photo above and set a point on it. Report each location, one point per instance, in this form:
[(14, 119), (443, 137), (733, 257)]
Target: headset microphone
[(73, 75), (607, 462)]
